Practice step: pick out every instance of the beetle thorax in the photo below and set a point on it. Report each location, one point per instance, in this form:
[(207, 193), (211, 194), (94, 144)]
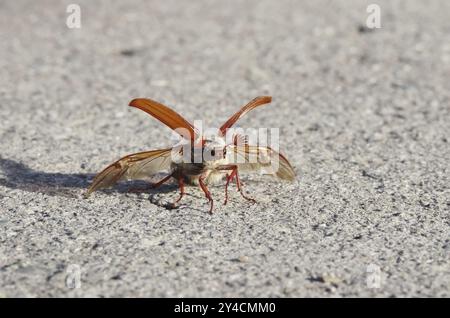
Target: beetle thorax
[(203, 161)]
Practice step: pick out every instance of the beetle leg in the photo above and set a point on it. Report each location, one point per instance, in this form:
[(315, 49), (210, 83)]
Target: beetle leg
[(206, 191), (226, 189), (150, 186), (229, 178), (159, 183), (181, 186), (234, 174), (239, 186)]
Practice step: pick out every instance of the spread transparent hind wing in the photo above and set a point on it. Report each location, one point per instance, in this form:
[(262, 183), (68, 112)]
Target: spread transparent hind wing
[(260, 159), (131, 167)]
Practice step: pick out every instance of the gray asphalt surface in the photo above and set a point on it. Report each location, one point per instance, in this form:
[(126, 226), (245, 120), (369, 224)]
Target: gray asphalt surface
[(364, 118)]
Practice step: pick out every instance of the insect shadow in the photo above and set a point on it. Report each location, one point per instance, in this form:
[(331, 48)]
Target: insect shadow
[(17, 175)]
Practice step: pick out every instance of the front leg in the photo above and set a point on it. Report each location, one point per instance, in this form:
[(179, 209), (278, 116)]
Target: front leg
[(229, 178), (206, 191), (234, 174)]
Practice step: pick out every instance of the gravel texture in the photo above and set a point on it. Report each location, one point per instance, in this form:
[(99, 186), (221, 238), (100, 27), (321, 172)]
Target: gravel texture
[(364, 117)]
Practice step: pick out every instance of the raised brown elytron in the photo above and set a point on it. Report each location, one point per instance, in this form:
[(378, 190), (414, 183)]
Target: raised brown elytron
[(218, 159)]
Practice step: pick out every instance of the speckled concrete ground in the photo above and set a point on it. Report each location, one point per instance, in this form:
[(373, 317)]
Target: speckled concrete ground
[(364, 118)]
